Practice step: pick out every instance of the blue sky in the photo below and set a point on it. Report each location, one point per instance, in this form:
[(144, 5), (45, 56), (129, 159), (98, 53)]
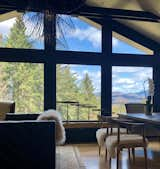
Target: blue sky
[(125, 79), (85, 37)]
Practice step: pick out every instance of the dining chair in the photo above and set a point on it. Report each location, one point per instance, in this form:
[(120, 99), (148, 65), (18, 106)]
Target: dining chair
[(135, 107), (116, 143), (6, 107), (102, 132)]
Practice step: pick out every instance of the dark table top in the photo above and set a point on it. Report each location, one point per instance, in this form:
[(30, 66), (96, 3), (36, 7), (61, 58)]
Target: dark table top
[(152, 119)]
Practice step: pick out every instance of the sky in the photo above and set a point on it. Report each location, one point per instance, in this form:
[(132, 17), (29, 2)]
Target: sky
[(80, 36), (124, 79)]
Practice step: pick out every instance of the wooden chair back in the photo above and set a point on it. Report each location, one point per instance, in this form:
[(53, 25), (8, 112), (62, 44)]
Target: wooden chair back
[(7, 107), (135, 107)]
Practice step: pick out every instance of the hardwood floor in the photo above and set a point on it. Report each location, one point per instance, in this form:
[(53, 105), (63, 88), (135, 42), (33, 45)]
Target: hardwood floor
[(89, 154)]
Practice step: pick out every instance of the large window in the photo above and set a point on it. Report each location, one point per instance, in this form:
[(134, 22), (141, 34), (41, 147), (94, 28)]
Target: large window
[(78, 91), (75, 34), (22, 31), (129, 84), (23, 83)]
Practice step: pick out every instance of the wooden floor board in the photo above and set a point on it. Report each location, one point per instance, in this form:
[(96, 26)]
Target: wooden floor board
[(89, 155)]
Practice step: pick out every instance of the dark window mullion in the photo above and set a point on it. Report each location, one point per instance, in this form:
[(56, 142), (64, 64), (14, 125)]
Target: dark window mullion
[(50, 64), (106, 68), (156, 75)]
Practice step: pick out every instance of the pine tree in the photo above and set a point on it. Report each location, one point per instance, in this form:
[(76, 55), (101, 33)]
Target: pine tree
[(87, 88), (24, 80), (66, 90), (66, 84), (17, 37), (88, 97)]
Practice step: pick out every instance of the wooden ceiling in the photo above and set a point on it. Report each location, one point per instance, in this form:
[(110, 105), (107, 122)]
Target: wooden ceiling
[(148, 28)]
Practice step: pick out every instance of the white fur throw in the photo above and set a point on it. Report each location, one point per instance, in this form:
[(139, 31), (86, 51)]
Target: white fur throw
[(60, 131)]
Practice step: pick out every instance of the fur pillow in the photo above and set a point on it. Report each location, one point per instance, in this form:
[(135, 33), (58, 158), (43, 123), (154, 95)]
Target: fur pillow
[(60, 131)]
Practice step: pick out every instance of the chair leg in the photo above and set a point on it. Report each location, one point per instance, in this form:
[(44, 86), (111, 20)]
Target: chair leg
[(99, 149), (129, 154), (110, 162), (133, 154), (106, 154), (145, 156), (118, 152)]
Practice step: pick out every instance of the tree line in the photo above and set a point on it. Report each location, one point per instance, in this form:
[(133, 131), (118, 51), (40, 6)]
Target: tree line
[(24, 82), (68, 89)]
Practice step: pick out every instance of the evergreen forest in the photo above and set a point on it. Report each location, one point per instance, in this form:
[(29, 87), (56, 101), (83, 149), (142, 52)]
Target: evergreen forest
[(24, 83)]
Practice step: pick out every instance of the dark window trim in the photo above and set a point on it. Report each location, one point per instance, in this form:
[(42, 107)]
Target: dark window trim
[(50, 57)]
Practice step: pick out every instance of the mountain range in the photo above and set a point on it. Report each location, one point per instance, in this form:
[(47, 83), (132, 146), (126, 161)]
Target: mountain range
[(119, 97)]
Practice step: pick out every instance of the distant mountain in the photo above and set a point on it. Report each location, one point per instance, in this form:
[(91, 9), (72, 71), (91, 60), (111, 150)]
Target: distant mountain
[(119, 97)]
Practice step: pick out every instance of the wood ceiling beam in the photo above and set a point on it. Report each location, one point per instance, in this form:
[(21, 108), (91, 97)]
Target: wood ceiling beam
[(131, 34), (8, 15), (99, 13), (120, 13), (86, 10), (134, 35)]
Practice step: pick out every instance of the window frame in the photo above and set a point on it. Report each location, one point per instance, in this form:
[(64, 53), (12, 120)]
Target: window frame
[(50, 57)]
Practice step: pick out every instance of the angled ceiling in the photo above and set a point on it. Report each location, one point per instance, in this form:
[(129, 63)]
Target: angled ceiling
[(149, 29), (8, 15), (116, 4), (137, 5)]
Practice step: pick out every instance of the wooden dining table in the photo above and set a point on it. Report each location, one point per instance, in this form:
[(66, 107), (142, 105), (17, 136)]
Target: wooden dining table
[(153, 119)]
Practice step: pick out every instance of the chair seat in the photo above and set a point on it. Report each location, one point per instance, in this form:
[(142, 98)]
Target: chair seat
[(126, 141), (102, 133)]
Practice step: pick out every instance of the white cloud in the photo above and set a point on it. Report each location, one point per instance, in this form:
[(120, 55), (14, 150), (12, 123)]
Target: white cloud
[(130, 83), (125, 80), (116, 88), (79, 76), (115, 42), (85, 71), (136, 74), (5, 26), (91, 34), (96, 79), (130, 79), (144, 74), (127, 88), (119, 69), (94, 76), (134, 82), (99, 74)]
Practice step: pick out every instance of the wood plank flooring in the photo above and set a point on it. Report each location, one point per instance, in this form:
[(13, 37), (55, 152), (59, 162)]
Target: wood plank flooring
[(89, 155)]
